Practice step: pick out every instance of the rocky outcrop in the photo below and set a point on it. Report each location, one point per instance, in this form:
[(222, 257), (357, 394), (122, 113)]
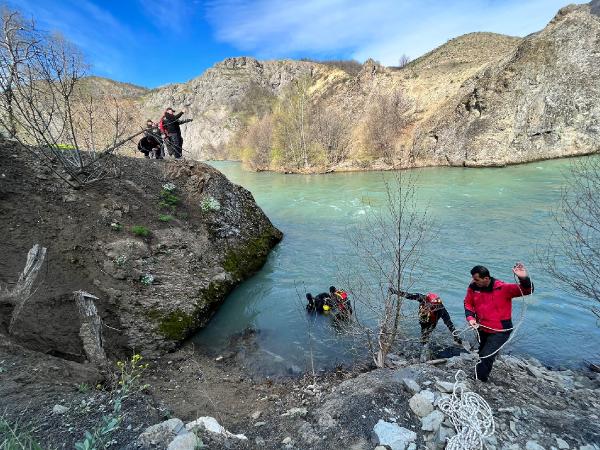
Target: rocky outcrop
[(160, 247), (542, 101), (212, 99)]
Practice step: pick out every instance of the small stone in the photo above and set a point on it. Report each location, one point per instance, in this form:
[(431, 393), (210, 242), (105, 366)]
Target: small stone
[(411, 385), (256, 414), (533, 445), (59, 409), (218, 358), (432, 421), (394, 436), (187, 441), (295, 412), (287, 440), (562, 444), (260, 424), (445, 386), (162, 433), (422, 403)]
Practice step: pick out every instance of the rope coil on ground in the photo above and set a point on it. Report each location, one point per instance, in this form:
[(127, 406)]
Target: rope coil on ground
[(470, 414)]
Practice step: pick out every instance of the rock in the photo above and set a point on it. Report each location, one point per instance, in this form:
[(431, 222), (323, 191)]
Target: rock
[(432, 421), (287, 440), (59, 409), (70, 198), (260, 424), (211, 425), (422, 403), (394, 436), (295, 412), (326, 421), (162, 433), (588, 447), (380, 447), (445, 386), (187, 441), (562, 444), (411, 385), (534, 371), (533, 445), (256, 414)]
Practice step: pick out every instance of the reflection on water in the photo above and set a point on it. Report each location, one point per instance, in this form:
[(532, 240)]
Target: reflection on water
[(492, 217)]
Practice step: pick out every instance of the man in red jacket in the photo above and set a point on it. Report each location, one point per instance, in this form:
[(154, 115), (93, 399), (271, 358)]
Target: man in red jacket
[(488, 308)]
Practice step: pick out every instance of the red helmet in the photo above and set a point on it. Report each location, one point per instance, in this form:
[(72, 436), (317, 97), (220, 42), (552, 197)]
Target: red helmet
[(433, 298)]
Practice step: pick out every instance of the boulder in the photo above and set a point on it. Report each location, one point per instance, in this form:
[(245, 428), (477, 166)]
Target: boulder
[(422, 403), (393, 436), (162, 433)]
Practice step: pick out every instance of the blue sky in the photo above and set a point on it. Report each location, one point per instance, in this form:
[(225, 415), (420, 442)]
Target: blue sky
[(152, 43)]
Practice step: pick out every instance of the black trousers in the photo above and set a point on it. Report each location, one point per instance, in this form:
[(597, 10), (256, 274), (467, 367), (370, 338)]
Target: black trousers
[(426, 330), (175, 145), (489, 343)]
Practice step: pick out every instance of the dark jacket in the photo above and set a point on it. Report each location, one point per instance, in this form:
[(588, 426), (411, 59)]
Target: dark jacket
[(170, 123), (147, 143), (492, 305), (429, 313)]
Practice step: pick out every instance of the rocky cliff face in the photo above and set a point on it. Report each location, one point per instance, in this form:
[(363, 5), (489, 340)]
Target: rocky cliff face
[(159, 260), (541, 101), (481, 99), (212, 98)]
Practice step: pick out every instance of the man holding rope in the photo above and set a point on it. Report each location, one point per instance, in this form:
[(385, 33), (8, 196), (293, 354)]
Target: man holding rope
[(488, 308)]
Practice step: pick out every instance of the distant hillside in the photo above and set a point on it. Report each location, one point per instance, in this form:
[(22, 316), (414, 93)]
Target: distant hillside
[(541, 101), (479, 99)]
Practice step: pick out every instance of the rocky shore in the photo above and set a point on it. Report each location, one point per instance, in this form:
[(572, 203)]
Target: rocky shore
[(191, 398)]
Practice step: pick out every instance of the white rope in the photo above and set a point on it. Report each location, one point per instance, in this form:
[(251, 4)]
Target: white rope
[(470, 414), (478, 358)]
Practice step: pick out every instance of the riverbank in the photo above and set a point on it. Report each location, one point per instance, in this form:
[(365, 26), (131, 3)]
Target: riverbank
[(533, 407)]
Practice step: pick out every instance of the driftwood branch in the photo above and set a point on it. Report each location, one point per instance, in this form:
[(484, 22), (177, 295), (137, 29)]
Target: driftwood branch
[(91, 328), (19, 295)]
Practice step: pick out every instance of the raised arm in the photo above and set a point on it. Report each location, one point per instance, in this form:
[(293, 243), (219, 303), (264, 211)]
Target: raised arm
[(525, 287), (408, 295)]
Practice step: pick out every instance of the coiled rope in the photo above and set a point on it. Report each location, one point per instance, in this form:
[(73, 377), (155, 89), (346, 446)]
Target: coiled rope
[(470, 414)]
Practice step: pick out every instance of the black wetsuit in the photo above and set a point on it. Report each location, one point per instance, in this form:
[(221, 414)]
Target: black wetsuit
[(429, 315)]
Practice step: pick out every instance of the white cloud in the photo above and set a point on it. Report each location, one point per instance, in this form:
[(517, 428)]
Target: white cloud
[(380, 29)]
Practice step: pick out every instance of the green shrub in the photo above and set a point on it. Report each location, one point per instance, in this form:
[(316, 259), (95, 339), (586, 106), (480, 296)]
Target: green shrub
[(165, 217), (116, 226), (140, 230), (168, 198)]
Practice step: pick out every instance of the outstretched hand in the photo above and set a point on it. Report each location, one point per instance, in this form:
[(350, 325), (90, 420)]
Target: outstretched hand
[(520, 270)]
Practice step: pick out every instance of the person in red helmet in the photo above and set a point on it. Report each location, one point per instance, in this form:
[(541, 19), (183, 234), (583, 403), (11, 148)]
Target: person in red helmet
[(431, 310)]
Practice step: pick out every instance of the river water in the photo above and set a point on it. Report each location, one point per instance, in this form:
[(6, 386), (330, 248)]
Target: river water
[(491, 216)]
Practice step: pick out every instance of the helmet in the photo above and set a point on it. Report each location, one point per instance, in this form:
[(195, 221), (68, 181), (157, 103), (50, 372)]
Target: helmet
[(433, 298), (325, 307)]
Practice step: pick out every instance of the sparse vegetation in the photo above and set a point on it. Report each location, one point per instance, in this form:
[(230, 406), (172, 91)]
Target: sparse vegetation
[(209, 203), (116, 226), (140, 230), (14, 436), (165, 217), (127, 383)]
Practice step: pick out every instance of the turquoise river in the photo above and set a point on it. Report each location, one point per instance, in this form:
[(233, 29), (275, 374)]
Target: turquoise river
[(493, 216)]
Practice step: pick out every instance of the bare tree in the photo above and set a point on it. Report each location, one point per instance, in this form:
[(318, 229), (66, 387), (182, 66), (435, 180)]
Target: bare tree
[(257, 143), (390, 243), (387, 117), (330, 130), (403, 61), (42, 106), (573, 255), (292, 124)]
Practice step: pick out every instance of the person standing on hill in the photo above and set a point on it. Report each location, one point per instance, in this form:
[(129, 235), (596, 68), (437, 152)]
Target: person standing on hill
[(488, 308), (170, 127)]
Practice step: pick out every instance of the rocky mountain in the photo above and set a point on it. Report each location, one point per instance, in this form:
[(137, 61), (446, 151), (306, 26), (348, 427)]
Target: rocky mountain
[(540, 101), (481, 99)]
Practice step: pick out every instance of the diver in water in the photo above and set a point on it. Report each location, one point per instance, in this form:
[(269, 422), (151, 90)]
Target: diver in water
[(321, 303)]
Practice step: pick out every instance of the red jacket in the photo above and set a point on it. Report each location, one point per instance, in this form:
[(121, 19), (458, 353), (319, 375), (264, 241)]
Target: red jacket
[(491, 306)]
